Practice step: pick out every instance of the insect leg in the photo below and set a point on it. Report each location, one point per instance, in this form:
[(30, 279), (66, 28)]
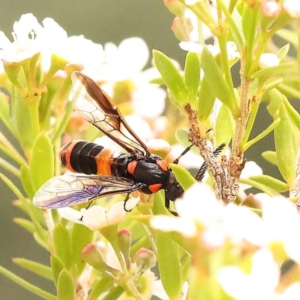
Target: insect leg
[(125, 202)]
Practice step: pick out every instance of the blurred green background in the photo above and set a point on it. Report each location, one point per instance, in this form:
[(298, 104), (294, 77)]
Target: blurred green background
[(101, 21)]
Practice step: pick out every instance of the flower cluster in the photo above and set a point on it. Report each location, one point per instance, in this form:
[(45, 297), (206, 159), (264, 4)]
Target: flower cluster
[(259, 244)]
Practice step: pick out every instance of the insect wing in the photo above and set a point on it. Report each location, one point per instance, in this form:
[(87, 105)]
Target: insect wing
[(95, 106), (69, 190)]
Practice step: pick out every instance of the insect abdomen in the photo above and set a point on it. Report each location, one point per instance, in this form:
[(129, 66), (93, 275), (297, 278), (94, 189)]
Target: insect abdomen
[(87, 158)]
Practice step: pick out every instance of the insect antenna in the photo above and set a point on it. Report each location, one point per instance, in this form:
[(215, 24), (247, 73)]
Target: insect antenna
[(199, 176)]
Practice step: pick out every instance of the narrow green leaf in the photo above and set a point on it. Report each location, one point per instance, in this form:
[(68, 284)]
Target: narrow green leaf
[(115, 293), (168, 265), (181, 136), (42, 161), (265, 189), (183, 176), (260, 136), (21, 119), (249, 22), (63, 124), (286, 147), (192, 76), (57, 266), (217, 82), (159, 207), (224, 126), (171, 77), (279, 70), (271, 157), (81, 236), (26, 182), (206, 100), (271, 182), (35, 267), (26, 285), (5, 113), (276, 100), (294, 115), (63, 244), (26, 224), (282, 52), (65, 286), (101, 286)]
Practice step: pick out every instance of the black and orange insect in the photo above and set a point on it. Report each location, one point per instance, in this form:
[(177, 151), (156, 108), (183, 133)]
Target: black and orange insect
[(101, 171)]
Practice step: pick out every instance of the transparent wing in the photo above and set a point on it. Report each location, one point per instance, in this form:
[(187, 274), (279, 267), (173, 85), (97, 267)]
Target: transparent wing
[(69, 190), (96, 107)]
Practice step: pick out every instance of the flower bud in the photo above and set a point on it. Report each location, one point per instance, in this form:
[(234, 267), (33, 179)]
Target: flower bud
[(175, 7), (93, 255), (182, 28), (145, 259), (124, 241)]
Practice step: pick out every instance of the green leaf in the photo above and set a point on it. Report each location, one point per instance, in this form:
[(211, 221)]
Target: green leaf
[(26, 224), (159, 207), (35, 267), (168, 265), (206, 100), (26, 182), (261, 135), (42, 161), (286, 147), (271, 157), (294, 115), (65, 286), (63, 244), (217, 82), (192, 76), (63, 124), (81, 236), (265, 189), (57, 266), (115, 293), (276, 100), (183, 176), (101, 286), (250, 20), (5, 113), (271, 182), (26, 285), (21, 120), (181, 136), (171, 77), (224, 126), (282, 52)]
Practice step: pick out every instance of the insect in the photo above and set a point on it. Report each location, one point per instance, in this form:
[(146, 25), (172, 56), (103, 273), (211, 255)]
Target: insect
[(102, 171)]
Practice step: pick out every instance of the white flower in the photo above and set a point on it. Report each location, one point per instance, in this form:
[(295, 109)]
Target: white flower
[(268, 60), (292, 7), (218, 222), (97, 217), (213, 49), (259, 284), (251, 169), (75, 49), (281, 223), (27, 41)]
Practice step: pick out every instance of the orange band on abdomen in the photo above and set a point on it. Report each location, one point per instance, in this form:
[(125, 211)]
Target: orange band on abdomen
[(104, 160)]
